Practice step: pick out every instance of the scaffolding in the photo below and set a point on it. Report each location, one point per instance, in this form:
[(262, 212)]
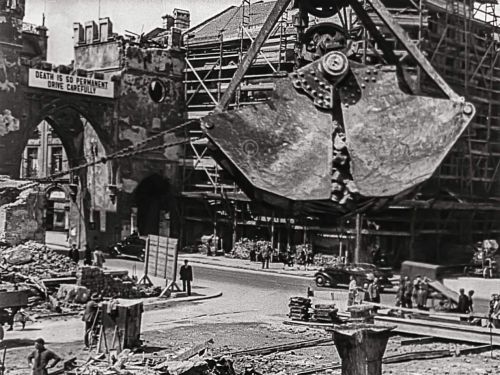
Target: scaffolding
[(209, 195)]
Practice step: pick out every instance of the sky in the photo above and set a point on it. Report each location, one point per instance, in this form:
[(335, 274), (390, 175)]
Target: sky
[(133, 15)]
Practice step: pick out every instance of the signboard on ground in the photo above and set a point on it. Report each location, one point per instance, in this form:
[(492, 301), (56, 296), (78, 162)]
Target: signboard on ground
[(161, 260), (71, 83)]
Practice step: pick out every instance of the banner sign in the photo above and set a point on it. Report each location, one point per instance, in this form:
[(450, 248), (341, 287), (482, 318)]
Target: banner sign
[(161, 257), (71, 83)]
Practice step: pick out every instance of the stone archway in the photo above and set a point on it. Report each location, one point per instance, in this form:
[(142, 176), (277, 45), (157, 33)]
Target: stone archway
[(82, 143)]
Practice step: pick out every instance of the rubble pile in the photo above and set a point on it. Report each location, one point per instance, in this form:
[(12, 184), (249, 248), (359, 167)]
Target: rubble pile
[(113, 284), (242, 248), (128, 363), (36, 260), (299, 308), (325, 260)]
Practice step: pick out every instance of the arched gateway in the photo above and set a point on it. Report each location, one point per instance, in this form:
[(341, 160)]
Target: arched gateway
[(105, 90)]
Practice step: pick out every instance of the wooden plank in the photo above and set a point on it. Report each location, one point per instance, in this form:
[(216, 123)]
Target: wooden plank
[(282, 347), (442, 330), (476, 349), (418, 340)]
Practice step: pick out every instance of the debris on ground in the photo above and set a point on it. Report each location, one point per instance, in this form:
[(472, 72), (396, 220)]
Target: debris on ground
[(129, 363), (242, 248), (36, 260), (117, 284)]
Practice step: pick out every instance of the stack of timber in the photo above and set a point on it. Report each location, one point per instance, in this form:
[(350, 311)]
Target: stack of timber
[(299, 308), (325, 313)]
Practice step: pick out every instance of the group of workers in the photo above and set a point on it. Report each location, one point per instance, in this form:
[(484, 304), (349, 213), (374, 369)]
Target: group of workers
[(369, 292), (412, 294), (91, 257)]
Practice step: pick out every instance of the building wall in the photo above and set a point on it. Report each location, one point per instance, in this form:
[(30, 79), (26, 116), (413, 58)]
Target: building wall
[(22, 219), (127, 119)]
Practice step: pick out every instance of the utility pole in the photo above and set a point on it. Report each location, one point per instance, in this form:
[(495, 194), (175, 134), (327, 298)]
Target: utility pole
[(357, 249)]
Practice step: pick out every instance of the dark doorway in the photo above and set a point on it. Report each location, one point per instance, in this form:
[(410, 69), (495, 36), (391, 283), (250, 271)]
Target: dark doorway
[(151, 198)]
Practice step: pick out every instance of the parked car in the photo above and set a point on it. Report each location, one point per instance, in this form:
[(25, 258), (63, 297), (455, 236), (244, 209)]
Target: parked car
[(363, 272), (132, 245)]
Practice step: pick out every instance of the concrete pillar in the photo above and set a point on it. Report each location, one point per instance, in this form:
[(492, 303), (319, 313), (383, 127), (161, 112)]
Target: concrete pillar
[(361, 348)]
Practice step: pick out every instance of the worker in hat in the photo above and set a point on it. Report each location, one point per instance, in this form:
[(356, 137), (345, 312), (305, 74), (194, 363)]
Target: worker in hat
[(40, 359), (90, 317)]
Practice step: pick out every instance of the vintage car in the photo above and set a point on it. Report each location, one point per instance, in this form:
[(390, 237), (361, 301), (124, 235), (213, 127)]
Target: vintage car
[(133, 246), (339, 274)]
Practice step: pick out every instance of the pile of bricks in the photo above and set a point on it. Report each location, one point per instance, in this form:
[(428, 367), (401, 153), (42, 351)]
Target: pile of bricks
[(90, 277), (112, 283)]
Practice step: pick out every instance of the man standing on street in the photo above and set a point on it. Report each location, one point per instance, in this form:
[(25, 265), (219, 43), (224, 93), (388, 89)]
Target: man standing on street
[(353, 290), (186, 274), (408, 292), (89, 317), (39, 359)]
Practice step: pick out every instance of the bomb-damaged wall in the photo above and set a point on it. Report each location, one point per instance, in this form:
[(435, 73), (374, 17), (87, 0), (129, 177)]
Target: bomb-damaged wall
[(135, 117), (21, 212)]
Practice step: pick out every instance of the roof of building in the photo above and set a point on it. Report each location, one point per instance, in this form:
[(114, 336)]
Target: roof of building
[(228, 22)]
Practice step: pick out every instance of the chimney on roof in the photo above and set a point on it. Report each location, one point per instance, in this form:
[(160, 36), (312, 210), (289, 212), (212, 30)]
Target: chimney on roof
[(105, 29), (78, 35), (91, 32), (168, 21), (181, 19)]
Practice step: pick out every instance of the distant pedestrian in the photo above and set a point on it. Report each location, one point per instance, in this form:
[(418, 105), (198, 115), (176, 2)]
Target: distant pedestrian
[(265, 256), (75, 253), (303, 258), (253, 254), (39, 359), (98, 257), (408, 291), (470, 307), (374, 292), (310, 259), (421, 297), (186, 274), (366, 292), (400, 293), (290, 258), (70, 252), (463, 303), (353, 291), (268, 251), (90, 317), (87, 256), (414, 292)]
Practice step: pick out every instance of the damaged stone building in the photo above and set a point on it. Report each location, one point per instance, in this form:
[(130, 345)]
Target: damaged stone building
[(117, 92)]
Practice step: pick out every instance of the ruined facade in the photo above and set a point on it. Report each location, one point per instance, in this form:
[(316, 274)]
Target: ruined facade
[(97, 106)]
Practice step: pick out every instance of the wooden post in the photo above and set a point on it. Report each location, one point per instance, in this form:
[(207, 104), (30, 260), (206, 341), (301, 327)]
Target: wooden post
[(272, 236), (357, 249), (235, 223), (361, 348)]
